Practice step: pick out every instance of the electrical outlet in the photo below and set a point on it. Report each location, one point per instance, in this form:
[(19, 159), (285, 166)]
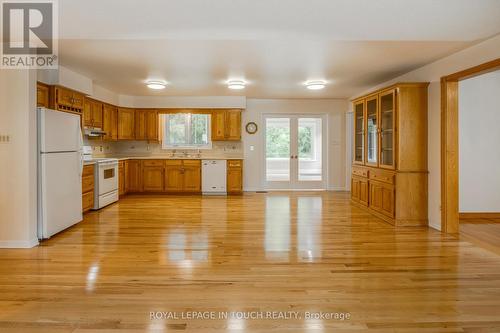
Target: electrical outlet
[(4, 138)]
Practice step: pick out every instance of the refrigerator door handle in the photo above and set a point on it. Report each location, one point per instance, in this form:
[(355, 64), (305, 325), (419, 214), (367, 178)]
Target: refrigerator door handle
[(80, 140)]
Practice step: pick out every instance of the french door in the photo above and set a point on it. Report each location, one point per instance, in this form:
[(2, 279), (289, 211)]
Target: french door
[(294, 151)]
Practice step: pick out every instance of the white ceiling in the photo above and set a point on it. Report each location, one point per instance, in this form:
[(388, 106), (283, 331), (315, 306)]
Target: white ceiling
[(275, 45)]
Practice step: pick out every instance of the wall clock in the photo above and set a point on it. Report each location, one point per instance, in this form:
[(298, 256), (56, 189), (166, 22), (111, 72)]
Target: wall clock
[(251, 128)]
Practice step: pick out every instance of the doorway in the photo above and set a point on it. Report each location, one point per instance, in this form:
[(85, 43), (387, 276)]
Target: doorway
[(294, 152), (450, 143)]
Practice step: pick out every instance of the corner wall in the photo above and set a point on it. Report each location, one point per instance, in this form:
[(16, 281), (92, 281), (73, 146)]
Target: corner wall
[(18, 158), (479, 139)]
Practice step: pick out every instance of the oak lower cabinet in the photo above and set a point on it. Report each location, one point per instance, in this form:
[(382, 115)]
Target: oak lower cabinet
[(389, 173), (382, 198), (153, 176), (183, 176), (87, 188), (123, 177), (134, 176), (234, 176), (191, 176), (173, 176), (359, 190)]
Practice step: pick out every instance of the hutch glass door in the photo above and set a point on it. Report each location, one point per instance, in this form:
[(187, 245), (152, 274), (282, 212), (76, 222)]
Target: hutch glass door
[(359, 132), (387, 122), (372, 131)]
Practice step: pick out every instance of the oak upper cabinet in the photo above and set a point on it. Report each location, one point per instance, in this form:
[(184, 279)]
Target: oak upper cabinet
[(153, 176), (191, 176), (146, 124), (87, 113), (174, 176), (110, 122), (140, 124), (152, 125), (390, 176), (134, 176), (42, 95), (233, 125), (234, 176), (226, 125), (97, 120), (92, 113), (218, 125), (126, 124), (65, 99)]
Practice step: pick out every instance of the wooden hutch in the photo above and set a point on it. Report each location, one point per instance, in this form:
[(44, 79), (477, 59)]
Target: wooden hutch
[(389, 173)]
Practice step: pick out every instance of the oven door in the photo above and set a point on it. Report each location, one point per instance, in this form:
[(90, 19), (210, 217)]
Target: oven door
[(108, 177)]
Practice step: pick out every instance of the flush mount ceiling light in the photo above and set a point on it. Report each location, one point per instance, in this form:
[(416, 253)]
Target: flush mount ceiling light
[(156, 85), (315, 85), (236, 84)]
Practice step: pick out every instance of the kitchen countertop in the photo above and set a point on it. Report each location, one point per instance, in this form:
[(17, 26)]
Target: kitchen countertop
[(88, 162)]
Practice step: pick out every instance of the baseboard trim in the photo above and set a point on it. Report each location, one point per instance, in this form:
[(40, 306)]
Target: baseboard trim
[(337, 189), (471, 216), (18, 244)]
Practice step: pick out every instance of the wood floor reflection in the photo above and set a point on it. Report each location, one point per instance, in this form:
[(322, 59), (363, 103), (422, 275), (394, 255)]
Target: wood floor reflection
[(303, 252)]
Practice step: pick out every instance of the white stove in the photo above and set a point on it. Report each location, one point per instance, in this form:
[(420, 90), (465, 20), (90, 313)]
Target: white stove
[(105, 179)]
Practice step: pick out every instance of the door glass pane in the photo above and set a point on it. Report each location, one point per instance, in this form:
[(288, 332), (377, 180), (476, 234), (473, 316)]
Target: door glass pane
[(310, 151), (359, 137), (371, 109), (278, 149), (387, 129)]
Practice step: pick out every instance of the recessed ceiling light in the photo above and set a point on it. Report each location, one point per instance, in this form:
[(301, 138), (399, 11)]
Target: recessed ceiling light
[(315, 85), (236, 84), (156, 85)]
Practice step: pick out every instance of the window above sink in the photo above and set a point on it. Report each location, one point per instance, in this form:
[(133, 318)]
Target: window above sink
[(186, 131)]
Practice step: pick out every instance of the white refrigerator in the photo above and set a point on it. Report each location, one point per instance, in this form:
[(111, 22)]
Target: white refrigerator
[(60, 166)]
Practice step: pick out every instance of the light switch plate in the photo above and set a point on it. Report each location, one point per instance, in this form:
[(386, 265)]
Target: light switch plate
[(4, 138)]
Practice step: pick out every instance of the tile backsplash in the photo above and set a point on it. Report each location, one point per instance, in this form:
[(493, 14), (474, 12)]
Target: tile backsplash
[(143, 148)]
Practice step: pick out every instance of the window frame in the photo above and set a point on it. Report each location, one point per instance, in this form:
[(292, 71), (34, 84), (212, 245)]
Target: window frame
[(165, 145)]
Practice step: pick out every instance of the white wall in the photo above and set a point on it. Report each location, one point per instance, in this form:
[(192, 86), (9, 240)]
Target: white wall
[(485, 51), (66, 77), (479, 143), (237, 102), (18, 168), (335, 109)]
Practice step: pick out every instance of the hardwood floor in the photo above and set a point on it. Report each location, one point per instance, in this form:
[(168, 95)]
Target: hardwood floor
[(299, 252), (484, 233)]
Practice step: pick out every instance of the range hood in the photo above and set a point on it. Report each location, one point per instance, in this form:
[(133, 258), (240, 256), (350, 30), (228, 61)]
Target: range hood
[(93, 131)]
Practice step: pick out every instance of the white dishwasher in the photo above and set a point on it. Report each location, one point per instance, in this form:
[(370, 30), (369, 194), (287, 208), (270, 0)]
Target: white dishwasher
[(213, 177)]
